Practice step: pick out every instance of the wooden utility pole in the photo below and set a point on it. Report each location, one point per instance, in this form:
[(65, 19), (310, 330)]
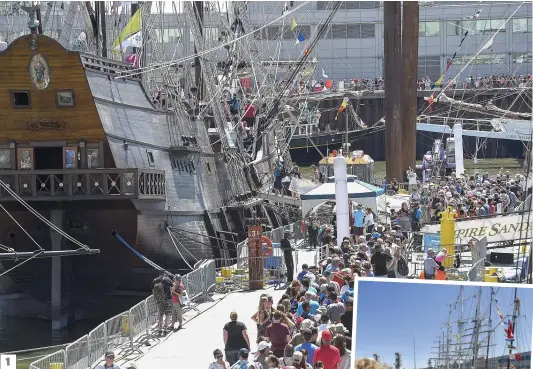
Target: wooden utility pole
[(393, 65), (409, 86)]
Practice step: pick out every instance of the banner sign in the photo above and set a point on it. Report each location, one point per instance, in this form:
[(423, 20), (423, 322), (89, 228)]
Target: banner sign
[(496, 229), (432, 241), (418, 257)]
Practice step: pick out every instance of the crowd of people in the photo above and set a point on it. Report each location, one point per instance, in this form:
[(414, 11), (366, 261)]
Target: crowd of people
[(310, 326)]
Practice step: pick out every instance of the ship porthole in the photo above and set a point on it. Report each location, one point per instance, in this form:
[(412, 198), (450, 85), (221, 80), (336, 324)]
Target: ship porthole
[(11, 235)]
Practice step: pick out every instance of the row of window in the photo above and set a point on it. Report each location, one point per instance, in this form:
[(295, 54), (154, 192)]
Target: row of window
[(22, 99), (487, 26), (26, 158), (350, 5)]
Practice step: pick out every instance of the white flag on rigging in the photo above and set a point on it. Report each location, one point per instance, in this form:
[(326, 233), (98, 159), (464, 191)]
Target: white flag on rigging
[(488, 44), (135, 40), (324, 75)]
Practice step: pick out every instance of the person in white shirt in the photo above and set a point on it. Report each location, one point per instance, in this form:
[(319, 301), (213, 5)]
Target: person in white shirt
[(369, 222), (219, 362)]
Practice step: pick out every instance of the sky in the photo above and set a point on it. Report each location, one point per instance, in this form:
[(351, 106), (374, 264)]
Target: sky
[(389, 313)]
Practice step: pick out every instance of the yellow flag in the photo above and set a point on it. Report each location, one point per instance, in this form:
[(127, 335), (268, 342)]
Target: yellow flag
[(293, 25), (440, 80), (133, 26)]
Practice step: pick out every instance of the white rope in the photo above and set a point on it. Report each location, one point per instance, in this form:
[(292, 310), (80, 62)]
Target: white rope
[(177, 249), (41, 217)]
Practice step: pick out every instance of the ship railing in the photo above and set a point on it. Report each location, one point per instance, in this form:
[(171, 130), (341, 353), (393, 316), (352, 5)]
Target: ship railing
[(84, 184), (126, 332)]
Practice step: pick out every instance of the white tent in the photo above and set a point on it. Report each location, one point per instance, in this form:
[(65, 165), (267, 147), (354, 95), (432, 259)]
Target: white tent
[(358, 191)]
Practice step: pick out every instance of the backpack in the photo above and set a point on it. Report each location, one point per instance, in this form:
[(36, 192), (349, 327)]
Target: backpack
[(158, 291), (403, 267)]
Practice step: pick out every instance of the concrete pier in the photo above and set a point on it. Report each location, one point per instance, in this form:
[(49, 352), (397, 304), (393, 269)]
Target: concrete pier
[(192, 347)]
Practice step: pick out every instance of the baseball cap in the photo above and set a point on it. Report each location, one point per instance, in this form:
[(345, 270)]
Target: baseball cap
[(130, 365), (263, 345), (110, 354), (244, 352), (297, 357), (326, 335)]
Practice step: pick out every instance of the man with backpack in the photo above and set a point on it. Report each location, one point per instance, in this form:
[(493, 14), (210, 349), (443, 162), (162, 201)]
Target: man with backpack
[(161, 287)]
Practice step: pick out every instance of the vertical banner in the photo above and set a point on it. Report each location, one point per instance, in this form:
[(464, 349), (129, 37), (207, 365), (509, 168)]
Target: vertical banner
[(255, 257)]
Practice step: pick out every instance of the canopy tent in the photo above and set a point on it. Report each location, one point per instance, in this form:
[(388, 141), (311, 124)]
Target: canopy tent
[(359, 191)]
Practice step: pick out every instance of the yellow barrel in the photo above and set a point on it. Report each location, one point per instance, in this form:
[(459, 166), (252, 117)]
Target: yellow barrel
[(219, 280), (125, 325), (493, 270), (56, 365), (491, 279), (487, 271), (226, 272)]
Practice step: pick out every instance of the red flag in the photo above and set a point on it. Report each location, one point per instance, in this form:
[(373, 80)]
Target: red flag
[(517, 357)]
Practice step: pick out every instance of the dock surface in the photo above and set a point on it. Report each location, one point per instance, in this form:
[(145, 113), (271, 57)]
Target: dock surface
[(193, 346)]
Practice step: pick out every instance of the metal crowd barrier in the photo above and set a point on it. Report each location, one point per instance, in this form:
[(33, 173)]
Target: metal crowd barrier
[(127, 331)]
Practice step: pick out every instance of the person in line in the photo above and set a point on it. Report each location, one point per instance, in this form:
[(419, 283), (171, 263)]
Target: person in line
[(235, 338), (109, 361), (219, 362)]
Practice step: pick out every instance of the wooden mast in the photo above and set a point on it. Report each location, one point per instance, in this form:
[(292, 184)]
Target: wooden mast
[(410, 36), (101, 5), (198, 80), (401, 69), (392, 20)]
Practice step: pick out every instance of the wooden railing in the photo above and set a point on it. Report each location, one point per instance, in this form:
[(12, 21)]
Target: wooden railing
[(84, 184), (107, 66)]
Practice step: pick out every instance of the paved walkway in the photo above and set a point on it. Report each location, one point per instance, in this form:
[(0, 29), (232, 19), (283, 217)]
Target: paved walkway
[(192, 347)]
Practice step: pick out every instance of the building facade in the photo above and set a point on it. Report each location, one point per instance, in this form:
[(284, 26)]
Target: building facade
[(352, 46)]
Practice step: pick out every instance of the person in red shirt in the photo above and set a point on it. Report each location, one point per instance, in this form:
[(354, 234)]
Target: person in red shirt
[(249, 114), (278, 334), (326, 353)]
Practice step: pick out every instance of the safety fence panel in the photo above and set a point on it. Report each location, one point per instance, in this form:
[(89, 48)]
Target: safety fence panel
[(209, 275), (55, 360), (77, 354), (193, 284), (139, 318), (151, 311), (97, 343), (118, 331)]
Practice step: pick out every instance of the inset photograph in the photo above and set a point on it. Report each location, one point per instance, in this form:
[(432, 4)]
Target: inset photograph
[(420, 325)]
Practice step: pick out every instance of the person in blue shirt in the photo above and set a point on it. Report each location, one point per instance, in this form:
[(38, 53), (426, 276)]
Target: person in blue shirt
[(305, 269), (310, 295), (416, 215), (307, 334), (348, 293), (359, 220)]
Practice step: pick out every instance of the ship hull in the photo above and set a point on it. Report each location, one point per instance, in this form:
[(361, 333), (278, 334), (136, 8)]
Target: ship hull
[(87, 281)]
